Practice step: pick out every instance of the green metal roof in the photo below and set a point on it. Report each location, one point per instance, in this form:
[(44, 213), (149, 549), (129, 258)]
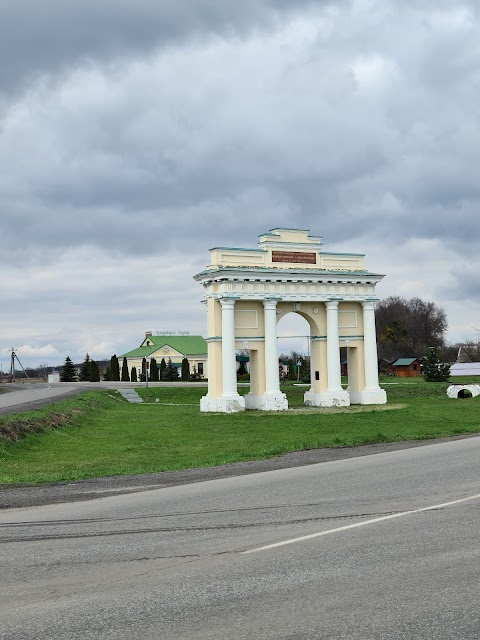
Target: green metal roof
[(237, 249), (404, 362), (285, 271), (186, 345), (140, 352)]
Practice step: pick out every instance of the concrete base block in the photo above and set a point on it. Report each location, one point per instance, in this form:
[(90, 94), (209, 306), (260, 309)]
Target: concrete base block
[(274, 402), (368, 396), (253, 402), (309, 398), (231, 404), (267, 402), (327, 399)]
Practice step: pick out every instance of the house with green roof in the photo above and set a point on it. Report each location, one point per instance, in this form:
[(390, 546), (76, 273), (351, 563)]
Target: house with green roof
[(169, 347)]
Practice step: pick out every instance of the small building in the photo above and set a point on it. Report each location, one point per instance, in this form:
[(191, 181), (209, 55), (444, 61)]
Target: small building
[(407, 367), (385, 367), (174, 348)]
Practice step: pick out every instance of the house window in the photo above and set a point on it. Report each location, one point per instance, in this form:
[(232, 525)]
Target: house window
[(200, 368)]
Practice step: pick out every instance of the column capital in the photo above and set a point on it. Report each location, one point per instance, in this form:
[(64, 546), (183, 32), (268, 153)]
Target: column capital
[(271, 303), (332, 304), (228, 303), (369, 305)]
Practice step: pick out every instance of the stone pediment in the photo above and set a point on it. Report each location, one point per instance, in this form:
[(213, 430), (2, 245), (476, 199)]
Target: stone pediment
[(165, 351)]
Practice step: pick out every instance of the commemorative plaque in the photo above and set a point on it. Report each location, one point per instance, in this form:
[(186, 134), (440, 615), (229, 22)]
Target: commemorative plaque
[(294, 257)]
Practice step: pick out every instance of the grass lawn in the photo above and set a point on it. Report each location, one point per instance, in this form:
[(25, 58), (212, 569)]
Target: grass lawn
[(105, 435)]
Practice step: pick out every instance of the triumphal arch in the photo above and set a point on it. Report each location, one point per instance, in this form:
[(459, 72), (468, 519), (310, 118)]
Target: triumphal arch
[(248, 290)]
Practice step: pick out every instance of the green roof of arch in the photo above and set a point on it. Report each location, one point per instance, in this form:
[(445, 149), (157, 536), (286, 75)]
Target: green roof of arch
[(287, 270)]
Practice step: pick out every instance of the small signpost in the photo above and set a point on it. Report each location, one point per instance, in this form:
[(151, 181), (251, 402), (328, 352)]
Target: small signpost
[(299, 364)]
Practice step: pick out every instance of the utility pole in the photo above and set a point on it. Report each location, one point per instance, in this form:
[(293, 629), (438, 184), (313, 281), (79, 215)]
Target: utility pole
[(12, 365)]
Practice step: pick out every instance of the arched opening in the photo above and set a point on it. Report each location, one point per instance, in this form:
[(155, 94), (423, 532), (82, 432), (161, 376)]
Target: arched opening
[(293, 339), (464, 393)]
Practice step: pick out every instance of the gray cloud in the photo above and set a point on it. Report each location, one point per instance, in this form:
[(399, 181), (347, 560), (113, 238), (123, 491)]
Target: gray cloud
[(52, 35), (155, 132)]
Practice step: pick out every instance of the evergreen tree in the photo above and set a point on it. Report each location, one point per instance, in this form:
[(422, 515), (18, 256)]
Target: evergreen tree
[(125, 376), (84, 375), (114, 368), (153, 370), (434, 370), (291, 370), (185, 370), (94, 372), (134, 374), (170, 372), (108, 374), (163, 368), (68, 371)]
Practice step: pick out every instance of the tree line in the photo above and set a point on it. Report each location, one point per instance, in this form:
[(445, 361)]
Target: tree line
[(164, 372)]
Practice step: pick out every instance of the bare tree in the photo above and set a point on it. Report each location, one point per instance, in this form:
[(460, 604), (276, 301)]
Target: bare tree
[(409, 327)]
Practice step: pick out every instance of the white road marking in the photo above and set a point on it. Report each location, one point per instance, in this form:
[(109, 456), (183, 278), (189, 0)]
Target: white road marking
[(364, 523)]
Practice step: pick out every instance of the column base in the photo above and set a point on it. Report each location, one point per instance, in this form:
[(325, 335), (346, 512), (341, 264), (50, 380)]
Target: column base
[(309, 398), (327, 399), (369, 396), (267, 402), (222, 404)]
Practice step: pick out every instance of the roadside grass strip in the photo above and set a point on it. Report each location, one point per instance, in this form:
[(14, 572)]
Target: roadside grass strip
[(98, 433)]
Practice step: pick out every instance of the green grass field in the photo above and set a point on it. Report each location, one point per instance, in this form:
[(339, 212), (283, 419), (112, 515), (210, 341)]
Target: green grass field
[(104, 435)]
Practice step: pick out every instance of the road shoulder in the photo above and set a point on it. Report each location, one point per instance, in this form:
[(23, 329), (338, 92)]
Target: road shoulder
[(21, 496)]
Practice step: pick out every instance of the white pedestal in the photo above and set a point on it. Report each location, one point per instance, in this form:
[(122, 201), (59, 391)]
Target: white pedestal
[(223, 404), (369, 396), (327, 399), (267, 402)]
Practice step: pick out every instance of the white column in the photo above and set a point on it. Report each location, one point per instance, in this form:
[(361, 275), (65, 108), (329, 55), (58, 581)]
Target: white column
[(370, 345), (272, 380), (273, 399), (229, 364), (371, 393), (333, 349), (230, 401)]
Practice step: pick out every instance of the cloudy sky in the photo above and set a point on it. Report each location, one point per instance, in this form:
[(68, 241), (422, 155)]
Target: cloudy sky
[(135, 136)]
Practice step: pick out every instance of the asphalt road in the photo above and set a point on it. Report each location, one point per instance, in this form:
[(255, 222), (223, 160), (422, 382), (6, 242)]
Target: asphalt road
[(382, 547)]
